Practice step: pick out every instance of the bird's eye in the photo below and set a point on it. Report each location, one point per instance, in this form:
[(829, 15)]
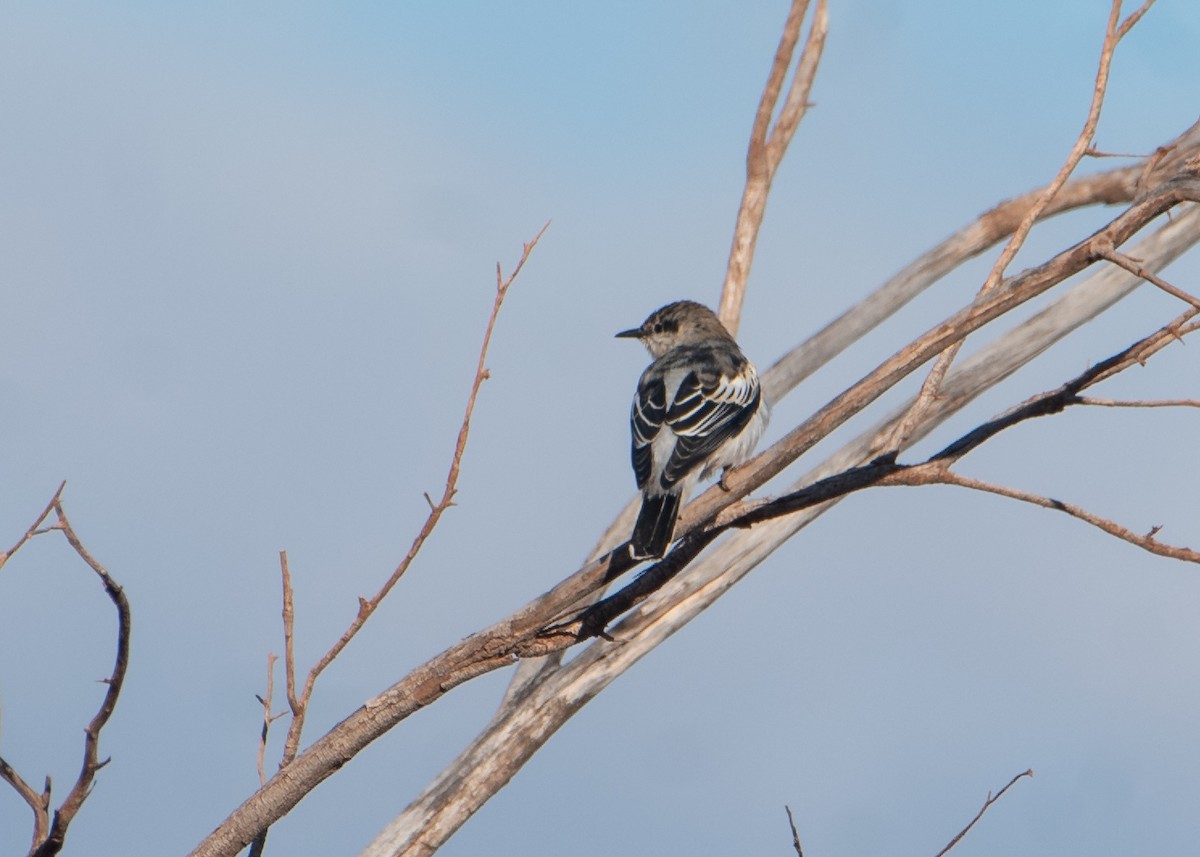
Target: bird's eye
[(658, 327)]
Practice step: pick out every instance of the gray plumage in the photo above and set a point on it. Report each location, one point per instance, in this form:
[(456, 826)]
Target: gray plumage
[(698, 408)]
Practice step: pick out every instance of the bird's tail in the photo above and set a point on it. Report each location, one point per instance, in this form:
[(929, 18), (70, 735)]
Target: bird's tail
[(655, 527)]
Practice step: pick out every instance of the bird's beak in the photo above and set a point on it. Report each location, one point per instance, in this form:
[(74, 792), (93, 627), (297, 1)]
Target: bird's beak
[(636, 333)]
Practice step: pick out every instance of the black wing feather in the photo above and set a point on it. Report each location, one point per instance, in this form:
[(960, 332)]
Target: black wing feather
[(708, 410), (649, 411)]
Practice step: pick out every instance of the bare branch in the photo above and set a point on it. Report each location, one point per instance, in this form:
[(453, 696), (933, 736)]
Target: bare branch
[(1131, 265), (35, 527), (65, 814), (991, 799), (268, 718), (368, 606), (289, 638), (1161, 403), (1146, 542), (795, 833), (769, 145), (1129, 22), (39, 803), (1113, 34), (260, 842)]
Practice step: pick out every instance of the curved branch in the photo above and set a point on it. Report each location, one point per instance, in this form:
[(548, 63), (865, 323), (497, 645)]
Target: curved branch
[(92, 763)]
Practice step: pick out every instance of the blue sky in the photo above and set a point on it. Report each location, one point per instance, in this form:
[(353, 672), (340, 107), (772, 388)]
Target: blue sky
[(249, 252)]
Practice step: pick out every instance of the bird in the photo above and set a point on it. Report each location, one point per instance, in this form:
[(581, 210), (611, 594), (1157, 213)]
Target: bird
[(698, 408)]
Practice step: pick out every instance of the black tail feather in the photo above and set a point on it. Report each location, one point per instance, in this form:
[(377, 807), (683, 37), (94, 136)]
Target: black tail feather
[(655, 527)]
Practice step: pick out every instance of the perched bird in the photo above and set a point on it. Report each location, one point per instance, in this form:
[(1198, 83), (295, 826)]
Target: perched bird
[(698, 408)]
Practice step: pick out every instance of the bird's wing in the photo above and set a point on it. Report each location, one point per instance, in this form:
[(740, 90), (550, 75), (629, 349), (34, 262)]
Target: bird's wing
[(649, 411), (709, 408)]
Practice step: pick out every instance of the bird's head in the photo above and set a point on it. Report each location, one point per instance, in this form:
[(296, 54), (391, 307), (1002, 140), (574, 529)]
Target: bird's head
[(680, 323)]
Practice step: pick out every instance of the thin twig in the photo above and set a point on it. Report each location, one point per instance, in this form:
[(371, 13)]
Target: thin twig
[(991, 799), (1131, 265), (1134, 17), (1093, 152), (268, 718), (795, 834), (367, 606), (260, 842), (1145, 542)]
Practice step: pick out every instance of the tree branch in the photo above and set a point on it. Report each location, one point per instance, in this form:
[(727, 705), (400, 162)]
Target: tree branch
[(991, 799), (795, 833), (768, 146), (1131, 265), (65, 814), (34, 528), (1161, 403), (38, 803)]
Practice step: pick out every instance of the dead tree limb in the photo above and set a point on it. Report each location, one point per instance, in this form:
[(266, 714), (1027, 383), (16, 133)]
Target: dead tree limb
[(49, 834)]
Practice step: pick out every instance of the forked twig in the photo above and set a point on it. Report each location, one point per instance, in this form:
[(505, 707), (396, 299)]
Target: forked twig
[(769, 144), (36, 527), (92, 763), (50, 834)]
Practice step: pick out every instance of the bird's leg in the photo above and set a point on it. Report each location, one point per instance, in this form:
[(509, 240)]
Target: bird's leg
[(724, 485)]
